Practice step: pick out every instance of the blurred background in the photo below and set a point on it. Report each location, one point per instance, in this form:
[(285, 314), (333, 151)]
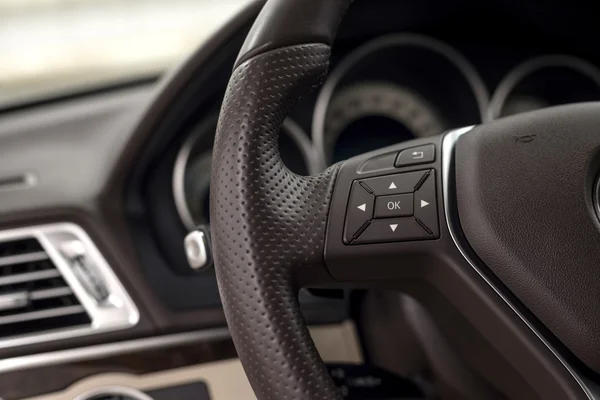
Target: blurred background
[(51, 48)]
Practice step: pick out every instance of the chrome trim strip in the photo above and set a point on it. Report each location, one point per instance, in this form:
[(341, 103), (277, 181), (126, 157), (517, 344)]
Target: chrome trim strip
[(120, 391), (110, 349), (23, 258), (448, 144), (180, 166), (116, 312)]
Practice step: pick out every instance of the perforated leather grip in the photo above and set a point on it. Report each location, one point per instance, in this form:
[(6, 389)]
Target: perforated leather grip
[(268, 224)]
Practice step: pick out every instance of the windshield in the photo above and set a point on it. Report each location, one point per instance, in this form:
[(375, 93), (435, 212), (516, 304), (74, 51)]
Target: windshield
[(55, 47)]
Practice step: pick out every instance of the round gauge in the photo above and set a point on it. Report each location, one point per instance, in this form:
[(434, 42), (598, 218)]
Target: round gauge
[(545, 81), (394, 88), (191, 174), (114, 393), (196, 184), (382, 112)]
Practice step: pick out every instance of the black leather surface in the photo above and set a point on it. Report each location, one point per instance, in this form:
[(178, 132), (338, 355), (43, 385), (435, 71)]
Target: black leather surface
[(268, 225), (290, 22), (524, 189)]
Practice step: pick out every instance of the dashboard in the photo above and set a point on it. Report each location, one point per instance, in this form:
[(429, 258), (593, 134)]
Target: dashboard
[(131, 165), (388, 89)]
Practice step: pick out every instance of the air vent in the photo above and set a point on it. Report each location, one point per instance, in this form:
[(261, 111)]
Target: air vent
[(55, 284), (34, 296)]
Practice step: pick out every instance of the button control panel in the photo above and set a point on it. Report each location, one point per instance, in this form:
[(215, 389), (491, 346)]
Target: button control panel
[(392, 208)]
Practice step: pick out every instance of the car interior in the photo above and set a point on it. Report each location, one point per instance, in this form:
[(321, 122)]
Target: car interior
[(320, 199)]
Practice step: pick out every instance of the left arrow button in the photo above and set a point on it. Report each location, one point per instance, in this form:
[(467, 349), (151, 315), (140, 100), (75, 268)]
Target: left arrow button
[(359, 210)]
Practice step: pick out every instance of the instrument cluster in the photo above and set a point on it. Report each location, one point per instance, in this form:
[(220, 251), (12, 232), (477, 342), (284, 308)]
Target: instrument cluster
[(388, 90)]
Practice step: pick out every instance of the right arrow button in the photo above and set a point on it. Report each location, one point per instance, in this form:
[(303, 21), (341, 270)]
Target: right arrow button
[(426, 205)]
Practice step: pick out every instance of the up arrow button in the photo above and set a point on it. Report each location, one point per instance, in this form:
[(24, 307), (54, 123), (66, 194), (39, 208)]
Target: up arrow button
[(394, 184)]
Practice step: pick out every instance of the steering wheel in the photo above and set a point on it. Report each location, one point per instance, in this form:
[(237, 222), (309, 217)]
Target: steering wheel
[(495, 224)]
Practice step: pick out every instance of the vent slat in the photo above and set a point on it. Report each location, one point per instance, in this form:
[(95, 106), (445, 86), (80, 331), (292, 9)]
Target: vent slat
[(37, 315), (50, 293), (28, 277), (23, 258)]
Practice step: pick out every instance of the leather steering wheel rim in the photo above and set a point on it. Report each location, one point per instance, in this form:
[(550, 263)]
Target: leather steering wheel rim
[(268, 224)]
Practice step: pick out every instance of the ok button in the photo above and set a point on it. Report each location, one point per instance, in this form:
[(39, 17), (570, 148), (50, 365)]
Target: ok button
[(400, 205)]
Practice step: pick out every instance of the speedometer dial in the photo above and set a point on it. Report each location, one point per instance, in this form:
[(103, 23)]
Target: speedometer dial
[(191, 172), (394, 88), (370, 115)]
